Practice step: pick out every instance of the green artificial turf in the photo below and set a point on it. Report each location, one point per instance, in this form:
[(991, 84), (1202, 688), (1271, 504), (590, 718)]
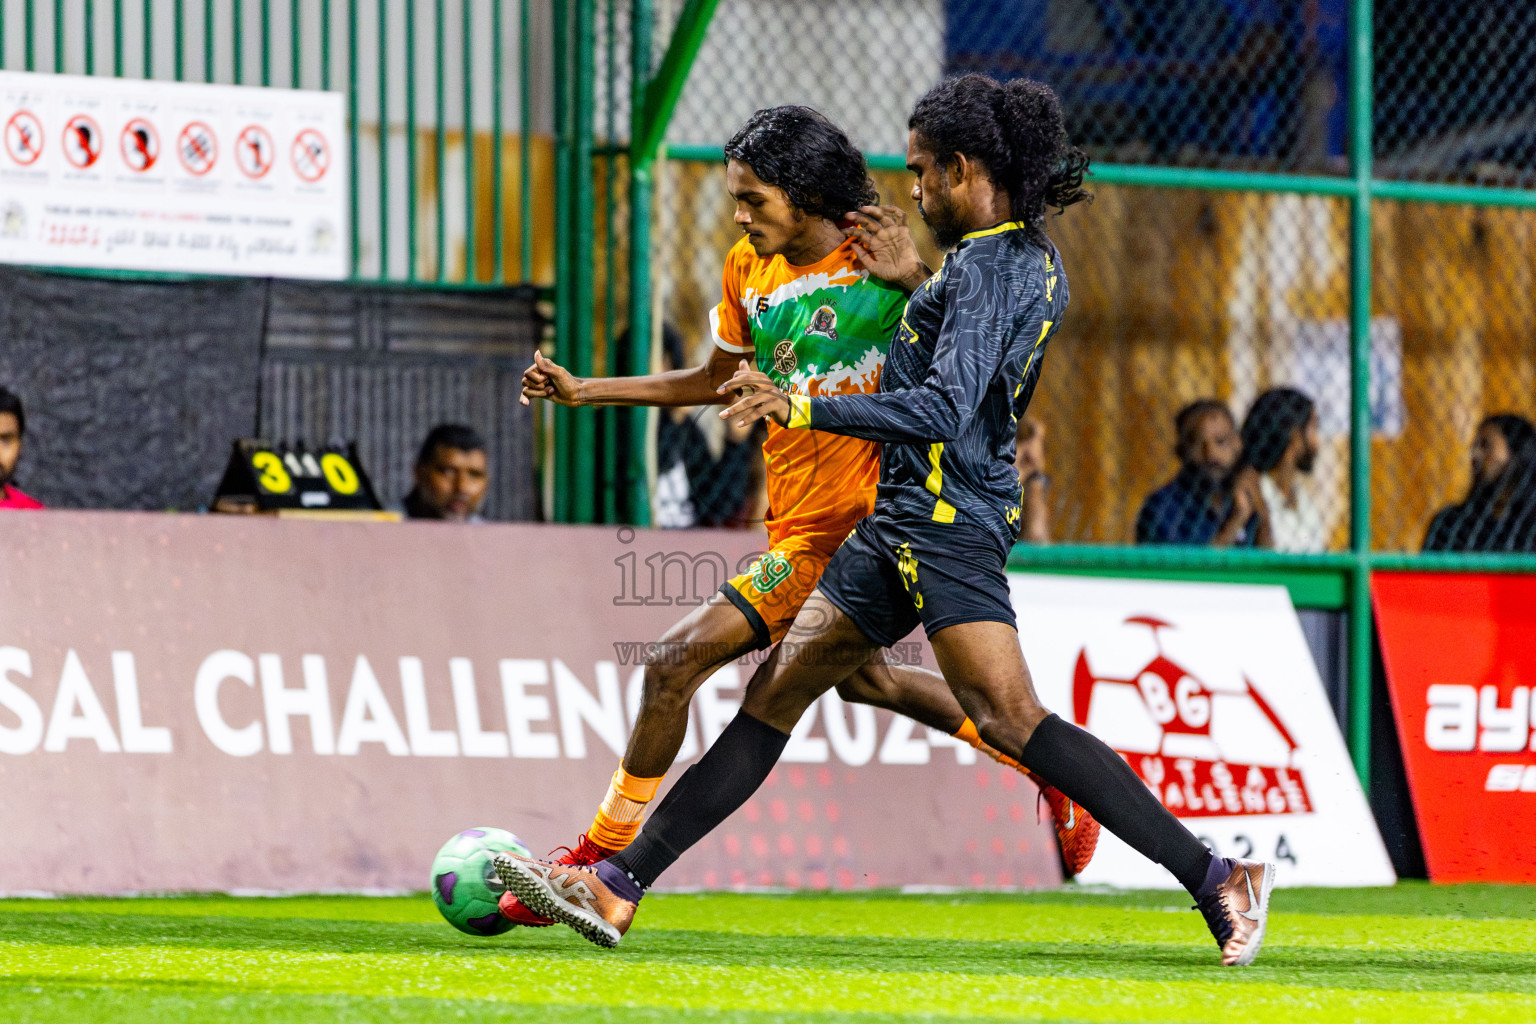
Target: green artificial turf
[(1413, 952)]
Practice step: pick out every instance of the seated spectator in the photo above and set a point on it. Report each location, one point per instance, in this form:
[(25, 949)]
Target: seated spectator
[(1211, 501), (451, 476), (1029, 460), (1280, 442), (13, 430), (695, 486), (1499, 511)]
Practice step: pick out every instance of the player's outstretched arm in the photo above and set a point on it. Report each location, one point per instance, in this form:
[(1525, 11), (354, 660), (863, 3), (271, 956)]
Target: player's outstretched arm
[(694, 386), (884, 245)]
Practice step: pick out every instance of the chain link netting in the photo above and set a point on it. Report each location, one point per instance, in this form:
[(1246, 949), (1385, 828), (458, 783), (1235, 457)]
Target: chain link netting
[(1182, 296), (1453, 97), (1458, 284)]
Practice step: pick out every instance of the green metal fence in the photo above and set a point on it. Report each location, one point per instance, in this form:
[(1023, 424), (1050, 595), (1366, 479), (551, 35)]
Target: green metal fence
[(1370, 143)]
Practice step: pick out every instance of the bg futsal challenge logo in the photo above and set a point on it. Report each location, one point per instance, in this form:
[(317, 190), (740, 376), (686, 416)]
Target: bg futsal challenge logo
[(1160, 720)]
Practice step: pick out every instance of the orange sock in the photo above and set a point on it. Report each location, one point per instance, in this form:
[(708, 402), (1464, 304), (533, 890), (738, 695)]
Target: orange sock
[(967, 734), (618, 819)]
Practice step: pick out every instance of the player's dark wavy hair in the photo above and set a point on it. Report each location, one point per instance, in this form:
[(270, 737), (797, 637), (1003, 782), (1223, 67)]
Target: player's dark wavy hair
[(810, 158), (1016, 131)]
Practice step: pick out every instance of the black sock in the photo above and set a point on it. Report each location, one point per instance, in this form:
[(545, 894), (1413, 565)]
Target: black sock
[(704, 796), (1085, 768)]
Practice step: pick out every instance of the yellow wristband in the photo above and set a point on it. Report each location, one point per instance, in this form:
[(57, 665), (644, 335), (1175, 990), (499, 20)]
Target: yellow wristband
[(799, 411)]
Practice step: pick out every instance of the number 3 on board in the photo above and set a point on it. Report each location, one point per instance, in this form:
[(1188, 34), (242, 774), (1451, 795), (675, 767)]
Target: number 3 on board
[(274, 478)]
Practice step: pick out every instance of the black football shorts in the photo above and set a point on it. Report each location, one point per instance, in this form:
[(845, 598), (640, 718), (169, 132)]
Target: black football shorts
[(893, 573)]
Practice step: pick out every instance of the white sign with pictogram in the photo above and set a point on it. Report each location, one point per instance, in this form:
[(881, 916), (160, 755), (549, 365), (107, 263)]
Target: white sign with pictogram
[(82, 141), (141, 145), (169, 176), (1210, 694), (254, 151), (23, 138)]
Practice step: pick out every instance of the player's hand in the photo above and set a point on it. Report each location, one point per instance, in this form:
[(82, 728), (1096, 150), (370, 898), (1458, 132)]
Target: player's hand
[(549, 380), (884, 245), (759, 398)]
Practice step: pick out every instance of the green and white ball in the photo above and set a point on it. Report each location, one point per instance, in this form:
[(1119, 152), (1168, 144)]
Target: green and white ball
[(464, 883)]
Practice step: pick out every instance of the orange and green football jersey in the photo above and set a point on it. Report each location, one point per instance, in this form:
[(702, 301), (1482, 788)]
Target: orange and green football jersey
[(824, 329)]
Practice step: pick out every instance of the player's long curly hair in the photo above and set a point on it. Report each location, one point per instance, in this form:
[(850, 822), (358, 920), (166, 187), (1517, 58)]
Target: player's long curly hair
[(810, 158), (1016, 131)]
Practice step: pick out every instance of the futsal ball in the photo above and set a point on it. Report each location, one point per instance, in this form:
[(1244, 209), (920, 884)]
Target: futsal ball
[(464, 883)]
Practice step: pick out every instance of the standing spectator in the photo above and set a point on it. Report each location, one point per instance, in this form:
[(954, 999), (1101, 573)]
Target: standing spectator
[(1210, 501), (451, 476), (1280, 442), (1499, 511), (13, 430), (1029, 460)]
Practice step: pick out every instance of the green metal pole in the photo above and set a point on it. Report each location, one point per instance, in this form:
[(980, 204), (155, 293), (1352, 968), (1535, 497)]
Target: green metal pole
[(117, 38), (466, 8), (440, 144), (498, 229), (58, 36), (583, 213), (237, 35), (295, 22), (149, 38), (610, 419), (1360, 615), (179, 13), (325, 51), (90, 38), (410, 139), (383, 139), (352, 126), (641, 187), (561, 418), (525, 146), (266, 42), (207, 40)]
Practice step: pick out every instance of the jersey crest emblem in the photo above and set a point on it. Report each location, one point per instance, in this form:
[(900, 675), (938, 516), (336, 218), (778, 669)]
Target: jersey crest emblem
[(769, 571), (824, 323), (784, 358)]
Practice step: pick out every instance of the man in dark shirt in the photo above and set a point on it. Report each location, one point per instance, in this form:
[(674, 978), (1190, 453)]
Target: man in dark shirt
[(989, 160), (451, 476), (1206, 503)]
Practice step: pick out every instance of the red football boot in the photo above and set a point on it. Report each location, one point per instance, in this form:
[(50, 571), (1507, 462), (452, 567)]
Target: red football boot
[(586, 852), (1076, 829)]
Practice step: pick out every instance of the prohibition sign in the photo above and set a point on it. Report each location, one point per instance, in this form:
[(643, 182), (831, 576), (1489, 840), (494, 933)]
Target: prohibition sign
[(196, 147), (82, 141), (311, 155), (254, 151), (24, 137), (141, 145)]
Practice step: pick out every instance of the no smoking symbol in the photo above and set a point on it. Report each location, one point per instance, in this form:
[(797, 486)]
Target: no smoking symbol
[(82, 141), (141, 144), (254, 151), (197, 148), (311, 155), (23, 137)]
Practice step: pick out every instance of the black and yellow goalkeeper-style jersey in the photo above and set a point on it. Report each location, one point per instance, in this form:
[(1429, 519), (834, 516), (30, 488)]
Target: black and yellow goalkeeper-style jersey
[(961, 371)]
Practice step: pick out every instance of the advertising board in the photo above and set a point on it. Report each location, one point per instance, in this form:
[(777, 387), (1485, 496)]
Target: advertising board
[(1460, 655), (1210, 693)]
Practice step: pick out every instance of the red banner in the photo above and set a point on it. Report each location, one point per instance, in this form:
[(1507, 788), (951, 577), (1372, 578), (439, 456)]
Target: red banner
[(1460, 654)]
